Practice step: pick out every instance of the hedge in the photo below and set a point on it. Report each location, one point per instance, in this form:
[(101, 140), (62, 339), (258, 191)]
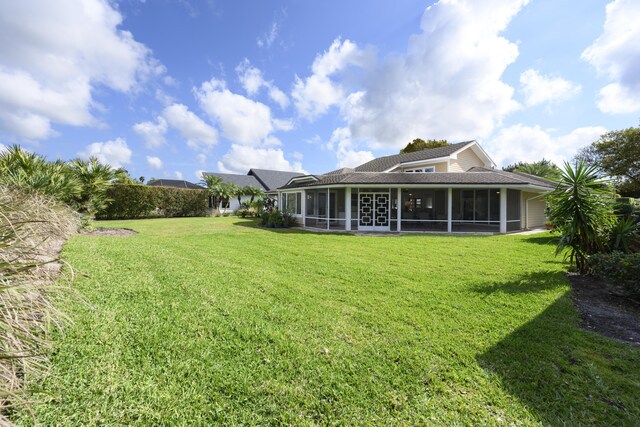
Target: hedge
[(619, 268), (144, 201)]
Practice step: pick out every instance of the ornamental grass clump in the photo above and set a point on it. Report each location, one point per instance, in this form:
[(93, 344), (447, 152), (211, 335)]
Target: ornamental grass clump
[(32, 230)]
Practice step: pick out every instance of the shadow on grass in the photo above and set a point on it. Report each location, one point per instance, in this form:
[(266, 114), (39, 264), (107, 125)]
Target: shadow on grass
[(539, 281), (542, 240), (564, 376), (255, 224)]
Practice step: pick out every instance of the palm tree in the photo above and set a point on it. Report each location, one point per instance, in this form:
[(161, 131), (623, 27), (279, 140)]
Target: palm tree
[(29, 171), (214, 185), (95, 179), (252, 191), (581, 206)]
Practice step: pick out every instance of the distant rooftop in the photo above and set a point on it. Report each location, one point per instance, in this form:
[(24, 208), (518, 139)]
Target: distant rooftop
[(175, 183)]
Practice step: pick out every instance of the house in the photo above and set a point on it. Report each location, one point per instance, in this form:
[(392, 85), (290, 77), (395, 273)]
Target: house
[(265, 179), (175, 183), (455, 188)]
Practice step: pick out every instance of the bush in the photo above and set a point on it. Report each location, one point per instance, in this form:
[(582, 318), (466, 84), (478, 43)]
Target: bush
[(622, 269), (275, 219), (144, 201), (33, 228), (624, 206), (264, 218)]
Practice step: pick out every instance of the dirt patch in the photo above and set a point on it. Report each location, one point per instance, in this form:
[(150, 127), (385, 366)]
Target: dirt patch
[(113, 232), (604, 310)]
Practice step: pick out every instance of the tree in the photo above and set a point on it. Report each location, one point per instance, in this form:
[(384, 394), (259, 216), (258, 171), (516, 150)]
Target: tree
[(581, 207), (95, 178), (252, 191), (29, 171), (420, 144), (543, 168), (214, 186), (617, 154)]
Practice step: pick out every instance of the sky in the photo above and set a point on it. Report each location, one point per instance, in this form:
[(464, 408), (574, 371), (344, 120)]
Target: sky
[(171, 88)]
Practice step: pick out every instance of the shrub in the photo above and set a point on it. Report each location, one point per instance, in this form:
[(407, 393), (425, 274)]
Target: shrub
[(622, 269), (624, 206), (143, 201), (32, 230), (264, 218), (275, 219)]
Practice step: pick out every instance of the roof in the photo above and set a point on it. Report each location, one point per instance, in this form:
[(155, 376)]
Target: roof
[(272, 179), (382, 164), (237, 179), (475, 176), (175, 183)]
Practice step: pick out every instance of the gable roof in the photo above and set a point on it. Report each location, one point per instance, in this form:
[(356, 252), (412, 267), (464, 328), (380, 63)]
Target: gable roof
[(272, 179), (237, 179), (175, 183), (382, 164)]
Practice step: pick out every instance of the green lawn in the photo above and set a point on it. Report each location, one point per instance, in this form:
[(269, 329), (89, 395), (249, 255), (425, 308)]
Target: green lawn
[(216, 321)]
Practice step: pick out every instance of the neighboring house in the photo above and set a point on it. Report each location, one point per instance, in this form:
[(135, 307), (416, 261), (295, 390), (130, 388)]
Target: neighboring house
[(175, 183), (265, 179), (448, 189)]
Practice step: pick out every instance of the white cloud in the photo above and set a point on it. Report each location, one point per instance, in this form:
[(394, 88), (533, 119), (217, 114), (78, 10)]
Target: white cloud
[(267, 39), (241, 158), (59, 52), (198, 174), (115, 152), (154, 162), (178, 175), (348, 157), (532, 143), (152, 133), (616, 54), (252, 81), (317, 93), (201, 158), (199, 135), (447, 84), (243, 121), (2, 147), (539, 89)]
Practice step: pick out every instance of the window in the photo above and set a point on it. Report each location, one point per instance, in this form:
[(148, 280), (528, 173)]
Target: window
[(424, 169), (292, 202)]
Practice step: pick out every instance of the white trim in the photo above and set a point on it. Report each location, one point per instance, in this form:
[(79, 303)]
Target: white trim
[(449, 210), (531, 188), (303, 208), (475, 147), (503, 210), (399, 209), (347, 208)]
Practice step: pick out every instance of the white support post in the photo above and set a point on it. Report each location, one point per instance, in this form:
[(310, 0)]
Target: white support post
[(503, 210), (449, 209), (399, 208), (347, 209), (328, 208), (303, 206)]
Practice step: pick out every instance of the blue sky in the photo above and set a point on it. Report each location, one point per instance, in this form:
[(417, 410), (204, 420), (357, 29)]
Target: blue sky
[(172, 88)]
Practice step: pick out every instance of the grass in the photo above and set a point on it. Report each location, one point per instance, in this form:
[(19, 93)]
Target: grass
[(215, 321)]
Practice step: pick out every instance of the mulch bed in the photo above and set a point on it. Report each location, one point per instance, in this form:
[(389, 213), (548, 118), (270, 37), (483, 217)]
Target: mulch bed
[(605, 310), (113, 232)]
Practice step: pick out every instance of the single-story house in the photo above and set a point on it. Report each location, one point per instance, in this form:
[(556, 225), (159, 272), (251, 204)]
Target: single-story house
[(265, 179), (175, 183), (454, 188)]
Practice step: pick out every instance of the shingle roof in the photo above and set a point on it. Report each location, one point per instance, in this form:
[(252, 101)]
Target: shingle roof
[(237, 179), (479, 176), (272, 179), (175, 183), (382, 164)]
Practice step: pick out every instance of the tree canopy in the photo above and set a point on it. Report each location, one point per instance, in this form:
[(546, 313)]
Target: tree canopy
[(617, 154), (543, 168), (420, 144)]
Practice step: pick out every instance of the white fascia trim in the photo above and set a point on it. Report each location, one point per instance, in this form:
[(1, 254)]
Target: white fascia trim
[(478, 150), (418, 162), (531, 188)]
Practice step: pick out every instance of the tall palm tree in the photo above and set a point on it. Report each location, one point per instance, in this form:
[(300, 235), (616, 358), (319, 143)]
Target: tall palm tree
[(581, 206), (215, 188), (252, 191)]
